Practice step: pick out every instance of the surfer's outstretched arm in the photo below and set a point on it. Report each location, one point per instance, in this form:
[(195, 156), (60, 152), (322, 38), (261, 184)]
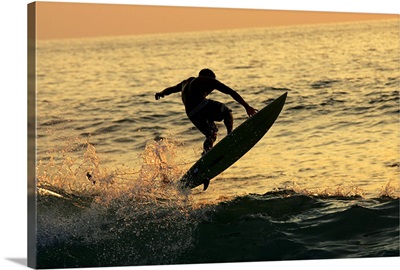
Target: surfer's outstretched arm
[(235, 95), (168, 91)]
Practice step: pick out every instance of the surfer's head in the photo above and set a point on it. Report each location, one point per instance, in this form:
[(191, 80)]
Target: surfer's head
[(207, 73)]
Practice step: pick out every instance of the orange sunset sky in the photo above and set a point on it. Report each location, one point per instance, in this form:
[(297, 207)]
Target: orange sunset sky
[(76, 20)]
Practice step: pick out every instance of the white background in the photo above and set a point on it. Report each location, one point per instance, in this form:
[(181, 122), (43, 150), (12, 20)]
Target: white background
[(13, 89)]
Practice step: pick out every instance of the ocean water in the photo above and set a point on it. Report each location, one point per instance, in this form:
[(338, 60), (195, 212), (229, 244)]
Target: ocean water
[(322, 184)]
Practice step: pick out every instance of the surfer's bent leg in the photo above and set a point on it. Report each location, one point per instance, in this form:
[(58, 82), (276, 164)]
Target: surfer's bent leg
[(220, 112), (208, 128), (211, 137), (228, 120), (209, 142), (204, 121)]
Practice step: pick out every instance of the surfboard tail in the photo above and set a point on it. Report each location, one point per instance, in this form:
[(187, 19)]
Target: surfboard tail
[(206, 183), (186, 184), (183, 184)]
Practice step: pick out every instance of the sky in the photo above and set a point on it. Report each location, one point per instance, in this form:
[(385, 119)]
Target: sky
[(56, 20)]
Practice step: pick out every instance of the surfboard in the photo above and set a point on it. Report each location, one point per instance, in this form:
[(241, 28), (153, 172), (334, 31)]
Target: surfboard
[(233, 146)]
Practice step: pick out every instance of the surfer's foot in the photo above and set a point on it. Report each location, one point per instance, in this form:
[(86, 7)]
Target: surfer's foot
[(209, 142), (205, 152)]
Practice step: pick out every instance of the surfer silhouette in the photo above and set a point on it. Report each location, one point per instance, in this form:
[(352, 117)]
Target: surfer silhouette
[(203, 112)]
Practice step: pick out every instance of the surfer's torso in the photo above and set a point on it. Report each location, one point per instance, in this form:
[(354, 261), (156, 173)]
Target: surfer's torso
[(195, 91)]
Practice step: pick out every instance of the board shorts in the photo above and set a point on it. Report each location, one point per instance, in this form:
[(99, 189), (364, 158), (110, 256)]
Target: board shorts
[(210, 111)]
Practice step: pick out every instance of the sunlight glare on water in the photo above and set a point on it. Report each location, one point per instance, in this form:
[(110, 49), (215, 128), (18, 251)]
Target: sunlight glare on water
[(339, 126)]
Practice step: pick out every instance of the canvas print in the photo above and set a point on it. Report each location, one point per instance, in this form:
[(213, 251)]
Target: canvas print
[(178, 135)]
